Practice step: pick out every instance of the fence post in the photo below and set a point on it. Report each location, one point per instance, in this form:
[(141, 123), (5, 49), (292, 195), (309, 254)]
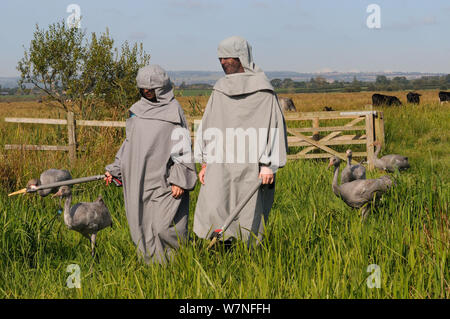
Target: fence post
[(315, 123), (370, 140), (72, 137), (379, 128)]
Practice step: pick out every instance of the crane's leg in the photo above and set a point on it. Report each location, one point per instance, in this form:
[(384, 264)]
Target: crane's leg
[(93, 237), (364, 213)]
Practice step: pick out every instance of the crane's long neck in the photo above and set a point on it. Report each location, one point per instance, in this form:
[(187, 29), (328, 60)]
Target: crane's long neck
[(335, 180), (378, 162), (349, 160), (377, 150), (67, 216)]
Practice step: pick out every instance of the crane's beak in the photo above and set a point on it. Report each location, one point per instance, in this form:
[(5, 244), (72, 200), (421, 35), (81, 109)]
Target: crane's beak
[(22, 191), (57, 194)]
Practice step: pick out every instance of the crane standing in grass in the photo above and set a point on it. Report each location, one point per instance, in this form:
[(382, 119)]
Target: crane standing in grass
[(87, 218), (391, 162), (352, 172), (359, 193)]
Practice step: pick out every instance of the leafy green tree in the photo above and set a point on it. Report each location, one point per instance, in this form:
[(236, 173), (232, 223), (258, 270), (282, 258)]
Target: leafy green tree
[(276, 83), (287, 83), (78, 73), (356, 85)]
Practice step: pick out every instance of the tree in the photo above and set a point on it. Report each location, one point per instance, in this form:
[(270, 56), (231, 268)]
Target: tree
[(76, 72), (356, 85), (382, 79), (287, 83), (447, 78), (276, 83)]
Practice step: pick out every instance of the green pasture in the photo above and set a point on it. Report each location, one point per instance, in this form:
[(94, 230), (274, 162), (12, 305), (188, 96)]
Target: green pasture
[(315, 245)]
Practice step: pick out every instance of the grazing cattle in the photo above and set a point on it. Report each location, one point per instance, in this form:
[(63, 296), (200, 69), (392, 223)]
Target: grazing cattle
[(287, 104), (327, 108), (444, 97), (380, 99), (413, 98)]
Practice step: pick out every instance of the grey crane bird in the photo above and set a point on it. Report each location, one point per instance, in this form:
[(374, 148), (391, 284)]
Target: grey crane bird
[(352, 172), (391, 162), (49, 176), (87, 218), (359, 193)]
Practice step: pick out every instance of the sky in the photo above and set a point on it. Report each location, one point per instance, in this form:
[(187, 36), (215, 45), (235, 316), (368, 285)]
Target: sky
[(286, 35)]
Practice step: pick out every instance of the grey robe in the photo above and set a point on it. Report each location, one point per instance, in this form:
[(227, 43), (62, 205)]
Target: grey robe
[(246, 101), (148, 163)]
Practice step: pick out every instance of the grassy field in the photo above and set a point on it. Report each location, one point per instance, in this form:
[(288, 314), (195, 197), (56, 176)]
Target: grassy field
[(315, 247)]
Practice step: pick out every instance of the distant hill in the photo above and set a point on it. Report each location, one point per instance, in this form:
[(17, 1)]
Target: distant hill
[(9, 82), (210, 77)]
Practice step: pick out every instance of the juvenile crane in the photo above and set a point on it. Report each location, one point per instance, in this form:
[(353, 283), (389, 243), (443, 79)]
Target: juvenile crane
[(390, 162), (352, 172), (359, 193), (48, 177), (87, 218)]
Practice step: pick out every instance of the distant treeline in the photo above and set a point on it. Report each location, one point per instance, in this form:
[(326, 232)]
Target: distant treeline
[(10, 91), (317, 84), (320, 84), (382, 83)]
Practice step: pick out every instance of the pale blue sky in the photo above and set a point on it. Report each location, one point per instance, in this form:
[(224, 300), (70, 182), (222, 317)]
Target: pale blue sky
[(288, 35)]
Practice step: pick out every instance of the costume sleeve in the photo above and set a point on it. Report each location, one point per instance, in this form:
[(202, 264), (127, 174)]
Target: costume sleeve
[(114, 168), (182, 172), (184, 176), (275, 152), (200, 155)]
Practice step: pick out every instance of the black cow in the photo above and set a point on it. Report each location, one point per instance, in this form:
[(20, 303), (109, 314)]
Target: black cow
[(380, 99), (327, 108), (413, 98), (444, 97)]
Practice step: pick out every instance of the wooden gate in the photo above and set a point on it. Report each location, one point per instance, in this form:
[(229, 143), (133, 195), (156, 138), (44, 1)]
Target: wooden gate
[(365, 127)]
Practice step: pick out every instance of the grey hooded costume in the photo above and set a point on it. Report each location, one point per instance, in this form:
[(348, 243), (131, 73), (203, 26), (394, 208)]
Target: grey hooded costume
[(244, 101), (149, 161)]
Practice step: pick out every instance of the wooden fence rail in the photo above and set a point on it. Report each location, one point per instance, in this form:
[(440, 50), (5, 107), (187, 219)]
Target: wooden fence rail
[(373, 129)]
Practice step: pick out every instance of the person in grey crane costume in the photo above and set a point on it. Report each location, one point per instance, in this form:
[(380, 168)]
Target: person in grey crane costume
[(156, 168), (244, 102)]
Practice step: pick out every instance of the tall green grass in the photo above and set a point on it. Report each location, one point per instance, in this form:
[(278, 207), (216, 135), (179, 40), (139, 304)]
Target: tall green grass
[(315, 246)]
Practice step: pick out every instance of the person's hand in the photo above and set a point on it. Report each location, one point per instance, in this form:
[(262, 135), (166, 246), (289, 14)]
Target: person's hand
[(177, 191), (201, 175), (266, 174), (108, 178)]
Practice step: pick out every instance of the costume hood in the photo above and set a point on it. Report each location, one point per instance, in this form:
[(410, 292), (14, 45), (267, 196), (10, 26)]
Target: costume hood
[(252, 80)]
